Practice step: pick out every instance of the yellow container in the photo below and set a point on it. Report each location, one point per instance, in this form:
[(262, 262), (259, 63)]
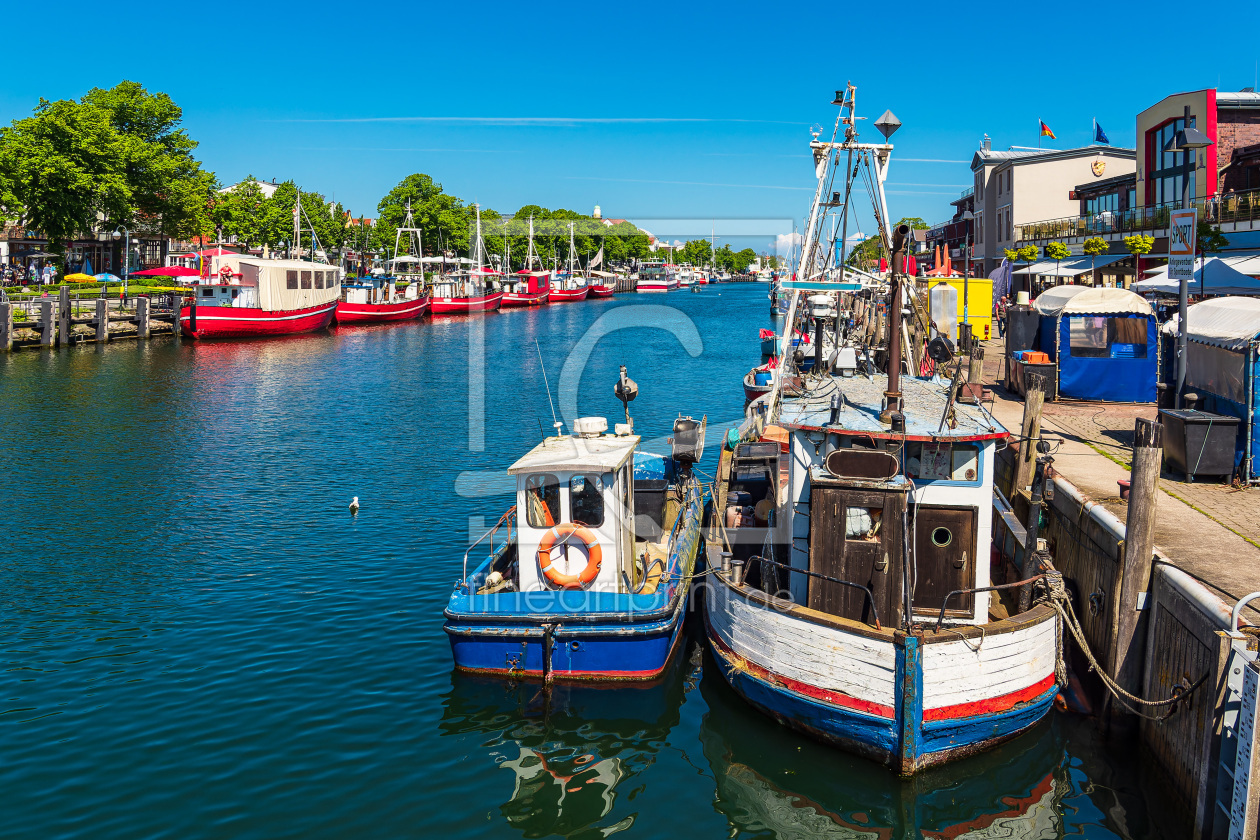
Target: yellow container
[(979, 305)]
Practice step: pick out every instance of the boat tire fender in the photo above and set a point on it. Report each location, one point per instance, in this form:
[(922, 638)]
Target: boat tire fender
[(560, 534)]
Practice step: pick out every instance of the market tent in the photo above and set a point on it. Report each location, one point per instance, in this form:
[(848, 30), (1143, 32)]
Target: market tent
[(80, 278), (1223, 368), (1221, 278), (1103, 342)]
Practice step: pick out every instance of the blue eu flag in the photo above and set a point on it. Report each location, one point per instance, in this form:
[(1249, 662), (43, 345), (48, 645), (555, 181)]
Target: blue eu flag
[(1100, 136)]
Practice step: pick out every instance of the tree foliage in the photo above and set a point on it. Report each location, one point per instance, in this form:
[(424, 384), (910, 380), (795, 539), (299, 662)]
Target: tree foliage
[(117, 155), (1208, 238), (1139, 244), (1058, 251), (1095, 246)]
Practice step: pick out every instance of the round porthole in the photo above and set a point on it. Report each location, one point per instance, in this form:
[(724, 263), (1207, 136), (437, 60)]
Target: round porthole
[(941, 537)]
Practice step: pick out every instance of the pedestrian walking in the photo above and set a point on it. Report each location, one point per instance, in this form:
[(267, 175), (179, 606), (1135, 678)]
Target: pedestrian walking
[(1001, 316)]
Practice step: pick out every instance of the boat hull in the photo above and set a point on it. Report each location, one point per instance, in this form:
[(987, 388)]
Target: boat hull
[(569, 295), (244, 322), (374, 313), (601, 292), (512, 300), (656, 286), (906, 701), (466, 305)]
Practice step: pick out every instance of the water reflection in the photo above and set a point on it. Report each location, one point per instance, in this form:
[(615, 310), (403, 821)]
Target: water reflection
[(773, 782), (570, 751)]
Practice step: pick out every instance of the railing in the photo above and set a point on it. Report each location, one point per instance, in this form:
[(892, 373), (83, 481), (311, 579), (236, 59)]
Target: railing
[(870, 598), (1216, 209), (508, 518)]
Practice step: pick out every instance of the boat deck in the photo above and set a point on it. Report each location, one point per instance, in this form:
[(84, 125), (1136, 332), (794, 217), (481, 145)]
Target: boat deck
[(923, 403)]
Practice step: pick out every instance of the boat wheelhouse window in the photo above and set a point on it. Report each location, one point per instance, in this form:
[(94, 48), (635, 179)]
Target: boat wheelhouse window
[(207, 292), (542, 500), (943, 461), (586, 499), (319, 279), (306, 279), (290, 279)]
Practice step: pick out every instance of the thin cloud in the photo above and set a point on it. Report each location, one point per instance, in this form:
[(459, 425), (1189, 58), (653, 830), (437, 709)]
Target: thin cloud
[(531, 121), (918, 192), (928, 160), (909, 184), (689, 183), (378, 149)]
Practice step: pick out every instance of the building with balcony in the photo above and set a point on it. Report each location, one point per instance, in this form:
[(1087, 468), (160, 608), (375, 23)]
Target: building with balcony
[(1222, 181), (1021, 185), (956, 235)]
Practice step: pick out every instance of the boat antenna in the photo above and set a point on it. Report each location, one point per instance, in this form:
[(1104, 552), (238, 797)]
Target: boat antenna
[(547, 384)]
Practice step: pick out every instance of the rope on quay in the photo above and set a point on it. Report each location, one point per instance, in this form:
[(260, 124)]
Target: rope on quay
[(1057, 597)]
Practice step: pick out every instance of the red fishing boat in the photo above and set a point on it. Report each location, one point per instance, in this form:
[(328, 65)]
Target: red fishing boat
[(528, 288), (247, 298), (602, 284), (375, 300), (559, 294), (463, 294)]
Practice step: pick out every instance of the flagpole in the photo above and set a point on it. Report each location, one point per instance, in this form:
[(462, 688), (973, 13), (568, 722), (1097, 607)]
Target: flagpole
[(1038, 132)]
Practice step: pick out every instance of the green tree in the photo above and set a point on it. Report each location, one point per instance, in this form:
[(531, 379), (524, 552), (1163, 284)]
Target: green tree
[(1208, 239), (238, 211), (743, 259), (1094, 246), (1058, 252), (914, 222), (115, 155), (698, 252), (1137, 245), (443, 219)]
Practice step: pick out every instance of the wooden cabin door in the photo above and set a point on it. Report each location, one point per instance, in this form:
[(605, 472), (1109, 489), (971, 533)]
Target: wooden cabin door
[(855, 535), (944, 557)]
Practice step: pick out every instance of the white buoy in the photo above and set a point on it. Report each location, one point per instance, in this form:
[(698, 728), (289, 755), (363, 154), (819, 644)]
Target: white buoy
[(354, 505)]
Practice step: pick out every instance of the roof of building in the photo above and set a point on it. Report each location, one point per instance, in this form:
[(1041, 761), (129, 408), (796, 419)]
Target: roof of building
[(1237, 99), (604, 453), (1107, 183), (989, 157)]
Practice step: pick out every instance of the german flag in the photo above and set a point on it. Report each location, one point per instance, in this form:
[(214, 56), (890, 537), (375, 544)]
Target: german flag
[(1045, 130)]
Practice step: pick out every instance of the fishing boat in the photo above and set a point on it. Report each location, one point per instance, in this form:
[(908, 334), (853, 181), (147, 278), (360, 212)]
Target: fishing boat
[(657, 276), (250, 298), (465, 293), (587, 575), (569, 286), (375, 299), (527, 288), (865, 612), (603, 284)]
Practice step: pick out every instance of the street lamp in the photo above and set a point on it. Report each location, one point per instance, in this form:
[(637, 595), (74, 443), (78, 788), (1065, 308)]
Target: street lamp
[(1187, 141), (119, 233), (967, 216)]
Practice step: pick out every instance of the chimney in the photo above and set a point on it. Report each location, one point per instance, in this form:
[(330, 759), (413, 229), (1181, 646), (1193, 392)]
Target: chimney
[(987, 145)]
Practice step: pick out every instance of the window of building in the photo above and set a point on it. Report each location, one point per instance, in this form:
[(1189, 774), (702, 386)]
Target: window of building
[(306, 279), (979, 228), (542, 500), (290, 279), (1170, 167), (1132, 196), (1108, 203), (586, 499)]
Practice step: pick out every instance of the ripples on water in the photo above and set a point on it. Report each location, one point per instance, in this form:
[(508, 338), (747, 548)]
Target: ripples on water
[(198, 641)]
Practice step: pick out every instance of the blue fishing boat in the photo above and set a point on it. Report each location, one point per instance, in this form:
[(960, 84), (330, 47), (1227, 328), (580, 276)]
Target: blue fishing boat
[(587, 576)]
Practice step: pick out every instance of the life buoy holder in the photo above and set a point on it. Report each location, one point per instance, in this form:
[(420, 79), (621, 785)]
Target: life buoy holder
[(559, 535)]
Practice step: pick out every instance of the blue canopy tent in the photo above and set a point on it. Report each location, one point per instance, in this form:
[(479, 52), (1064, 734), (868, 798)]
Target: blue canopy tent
[(1103, 342), (1223, 369)]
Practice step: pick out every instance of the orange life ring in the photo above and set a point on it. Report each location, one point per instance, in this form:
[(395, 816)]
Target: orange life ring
[(560, 534)]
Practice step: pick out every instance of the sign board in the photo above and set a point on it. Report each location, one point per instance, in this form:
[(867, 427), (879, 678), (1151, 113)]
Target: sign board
[(1182, 225)]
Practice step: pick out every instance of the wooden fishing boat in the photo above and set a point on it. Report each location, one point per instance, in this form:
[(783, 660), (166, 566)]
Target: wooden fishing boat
[(250, 298), (375, 300), (587, 576), (865, 612)]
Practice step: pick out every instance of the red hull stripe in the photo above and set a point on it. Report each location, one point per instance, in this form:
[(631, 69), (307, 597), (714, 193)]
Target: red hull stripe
[(992, 705), (835, 698), (381, 311)]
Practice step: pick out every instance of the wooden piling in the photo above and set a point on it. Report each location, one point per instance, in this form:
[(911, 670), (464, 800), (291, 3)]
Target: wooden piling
[(1029, 433), (142, 318), (63, 318), (46, 323), (1125, 658), (975, 366), (6, 327), (102, 319)]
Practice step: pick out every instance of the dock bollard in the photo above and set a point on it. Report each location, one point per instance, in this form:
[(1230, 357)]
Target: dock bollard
[(737, 572)]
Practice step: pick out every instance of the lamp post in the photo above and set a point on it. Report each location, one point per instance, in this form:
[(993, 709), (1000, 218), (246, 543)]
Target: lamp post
[(1187, 141), (967, 217), (119, 233)]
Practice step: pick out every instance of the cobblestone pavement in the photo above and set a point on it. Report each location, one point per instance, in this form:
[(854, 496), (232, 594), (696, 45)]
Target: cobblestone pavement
[(1097, 449)]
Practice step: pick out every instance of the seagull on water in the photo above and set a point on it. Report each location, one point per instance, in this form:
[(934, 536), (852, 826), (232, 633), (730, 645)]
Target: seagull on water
[(354, 505)]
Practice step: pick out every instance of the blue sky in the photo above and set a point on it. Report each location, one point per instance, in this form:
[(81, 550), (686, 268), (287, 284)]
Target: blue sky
[(652, 111)]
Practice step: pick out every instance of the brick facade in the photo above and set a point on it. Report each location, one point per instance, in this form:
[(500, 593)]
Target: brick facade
[(1237, 130)]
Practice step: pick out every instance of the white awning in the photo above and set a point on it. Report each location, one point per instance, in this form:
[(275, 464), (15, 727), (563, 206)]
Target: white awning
[(1038, 267), (1090, 300), (1229, 322), (1221, 278)]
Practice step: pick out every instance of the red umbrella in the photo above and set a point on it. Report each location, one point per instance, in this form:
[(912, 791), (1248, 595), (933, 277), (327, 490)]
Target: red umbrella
[(167, 271)]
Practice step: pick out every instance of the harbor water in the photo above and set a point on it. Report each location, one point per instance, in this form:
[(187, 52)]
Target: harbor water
[(199, 641)]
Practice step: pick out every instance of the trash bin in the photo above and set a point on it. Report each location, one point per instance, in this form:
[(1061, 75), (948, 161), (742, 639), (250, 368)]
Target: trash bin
[(1198, 443)]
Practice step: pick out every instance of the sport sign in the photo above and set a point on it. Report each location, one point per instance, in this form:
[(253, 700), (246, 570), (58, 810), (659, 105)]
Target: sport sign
[(1182, 225)]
